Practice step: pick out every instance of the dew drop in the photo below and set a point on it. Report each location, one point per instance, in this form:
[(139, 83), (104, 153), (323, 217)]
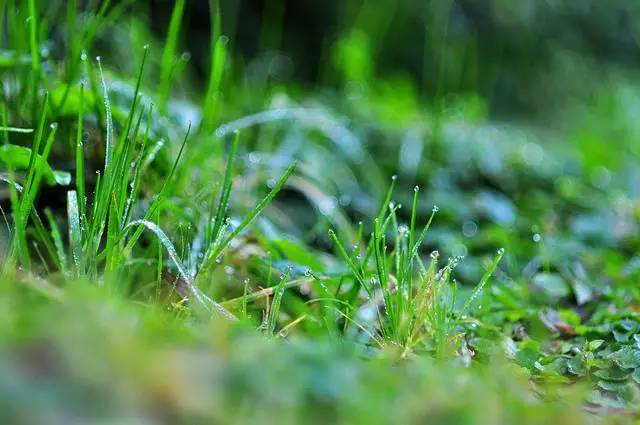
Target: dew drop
[(253, 157), (435, 209), (469, 228), (536, 237)]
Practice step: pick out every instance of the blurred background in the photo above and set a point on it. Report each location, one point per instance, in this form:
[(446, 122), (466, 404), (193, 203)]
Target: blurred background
[(523, 57), (517, 119)]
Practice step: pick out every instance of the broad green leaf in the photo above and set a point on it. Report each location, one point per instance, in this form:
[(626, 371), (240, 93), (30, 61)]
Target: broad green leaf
[(68, 100), (297, 253), (17, 157), (626, 357), (612, 374)]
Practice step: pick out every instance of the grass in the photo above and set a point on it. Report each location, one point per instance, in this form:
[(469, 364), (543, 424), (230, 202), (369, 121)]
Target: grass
[(170, 250)]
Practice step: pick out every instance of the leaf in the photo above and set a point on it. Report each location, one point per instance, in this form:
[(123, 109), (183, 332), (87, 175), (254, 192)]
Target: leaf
[(298, 253), (17, 157), (551, 285), (528, 354), (612, 374), (73, 100), (576, 366), (626, 357)]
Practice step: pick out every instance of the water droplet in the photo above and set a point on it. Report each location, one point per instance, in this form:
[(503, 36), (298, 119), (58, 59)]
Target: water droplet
[(83, 56), (253, 158), (435, 209), (403, 230), (469, 228), (434, 254), (394, 177), (219, 260), (53, 125), (307, 273), (98, 58), (536, 237), (327, 206), (246, 281), (501, 251), (271, 183), (229, 270), (416, 188), (221, 131)]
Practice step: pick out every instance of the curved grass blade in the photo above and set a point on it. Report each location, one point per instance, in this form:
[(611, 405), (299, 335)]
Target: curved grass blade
[(200, 297)]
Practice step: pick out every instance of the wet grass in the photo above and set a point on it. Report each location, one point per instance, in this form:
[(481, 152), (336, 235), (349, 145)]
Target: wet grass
[(170, 251)]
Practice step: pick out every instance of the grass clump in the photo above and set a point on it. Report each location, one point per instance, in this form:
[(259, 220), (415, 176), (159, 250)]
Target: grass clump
[(176, 241)]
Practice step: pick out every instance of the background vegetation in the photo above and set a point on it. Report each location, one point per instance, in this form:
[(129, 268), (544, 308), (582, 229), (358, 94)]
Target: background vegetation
[(339, 211)]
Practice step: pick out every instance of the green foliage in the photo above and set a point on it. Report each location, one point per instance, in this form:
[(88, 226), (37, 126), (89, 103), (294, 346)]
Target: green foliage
[(164, 236)]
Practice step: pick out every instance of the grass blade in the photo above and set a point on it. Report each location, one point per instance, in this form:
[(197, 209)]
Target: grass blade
[(169, 53), (200, 297), (75, 231), (218, 248), (485, 278)]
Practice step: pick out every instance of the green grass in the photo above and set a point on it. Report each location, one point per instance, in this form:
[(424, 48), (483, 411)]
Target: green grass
[(236, 250)]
